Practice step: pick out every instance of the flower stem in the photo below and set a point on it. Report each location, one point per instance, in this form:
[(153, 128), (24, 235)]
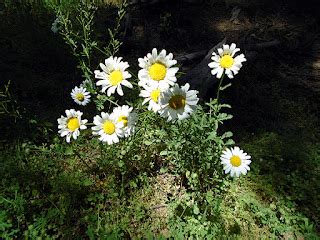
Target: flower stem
[(113, 102), (101, 152), (220, 83)]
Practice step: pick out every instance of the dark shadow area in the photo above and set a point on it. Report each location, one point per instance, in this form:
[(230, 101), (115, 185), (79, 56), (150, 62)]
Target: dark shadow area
[(41, 71)]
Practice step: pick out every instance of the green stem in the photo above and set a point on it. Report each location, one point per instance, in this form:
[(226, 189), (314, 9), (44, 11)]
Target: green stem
[(79, 156), (113, 102), (220, 83), (122, 185), (100, 50), (101, 152)]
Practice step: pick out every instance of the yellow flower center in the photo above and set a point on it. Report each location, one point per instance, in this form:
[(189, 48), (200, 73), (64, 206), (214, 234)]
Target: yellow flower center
[(80, 96), (123, 119), (109, 127), (73, 124), (155, 95), (235, 161), (115, 77), (158, 71), (226, 61), (177, 102)]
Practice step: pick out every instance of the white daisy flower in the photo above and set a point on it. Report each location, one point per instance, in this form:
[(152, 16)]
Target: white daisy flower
[(125, 115), (113, 76), (71, 124), (225, 61), (157, 69), (235, 161), (107, 126), (178, 102), (151, 94), (80, 95)]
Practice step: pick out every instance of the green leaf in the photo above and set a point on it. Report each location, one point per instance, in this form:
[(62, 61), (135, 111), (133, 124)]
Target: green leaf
[(68, 151), (133, 184), (227, 135), (196, 210), (147, 142), (163, 170), (224, 116), (212, 136), (209, 197), (230, 142), (225, 86), (225, 106), (90, 233), (87, 182), (120, 163), (164, 153)]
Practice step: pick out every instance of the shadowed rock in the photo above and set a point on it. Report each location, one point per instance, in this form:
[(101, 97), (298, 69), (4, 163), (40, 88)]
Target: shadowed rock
[(200, 77)]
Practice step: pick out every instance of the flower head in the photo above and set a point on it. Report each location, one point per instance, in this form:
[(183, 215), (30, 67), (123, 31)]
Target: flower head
[(128, 117), (157, 69), (235, 161), (108, 128), (152, 94), (226, 61), (80, 95), (113, 76), (71, 124), (178, 103)]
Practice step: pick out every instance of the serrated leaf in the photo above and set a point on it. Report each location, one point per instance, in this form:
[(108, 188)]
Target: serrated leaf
[(230, 142), (224, 116), (227, 135), (212, 136)]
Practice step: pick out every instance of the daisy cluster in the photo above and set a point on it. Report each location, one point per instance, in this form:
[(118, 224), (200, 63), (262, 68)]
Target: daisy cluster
[(159, 90), (157, 81), (157, 78)]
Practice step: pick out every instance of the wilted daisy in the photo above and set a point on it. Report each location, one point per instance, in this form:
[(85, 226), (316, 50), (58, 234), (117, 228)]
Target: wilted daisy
[(128, 117), (226, 61), (113, 76), (71, 124), (55, 25), (86, 84), (157, 69), (80, 95), (107, 126), (178, 102), (235, 161), (151, 94)]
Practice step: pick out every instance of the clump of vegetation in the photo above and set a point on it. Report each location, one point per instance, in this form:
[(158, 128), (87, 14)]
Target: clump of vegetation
[(153, 162)]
